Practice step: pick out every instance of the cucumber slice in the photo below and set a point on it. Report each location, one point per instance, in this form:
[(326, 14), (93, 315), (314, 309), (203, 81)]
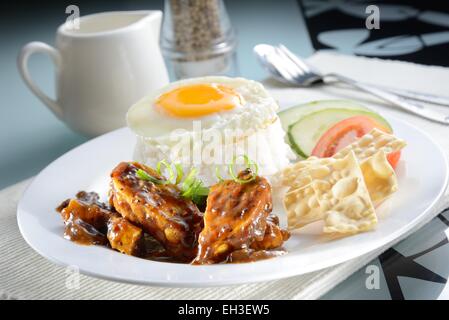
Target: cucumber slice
[(305, 133), (293, 114)]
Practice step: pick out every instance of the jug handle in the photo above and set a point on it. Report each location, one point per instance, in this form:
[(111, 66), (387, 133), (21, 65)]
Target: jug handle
[(22, 63)]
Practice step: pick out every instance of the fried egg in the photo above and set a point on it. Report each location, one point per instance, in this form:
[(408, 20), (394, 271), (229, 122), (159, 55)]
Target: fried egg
[(238, 113), (218, 102)]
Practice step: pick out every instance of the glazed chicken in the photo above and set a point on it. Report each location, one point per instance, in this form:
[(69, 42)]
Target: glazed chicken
[(148, 217), (85, 219), (274, 236), (236, 219), (88, 221), (125, 237), (159, 209)]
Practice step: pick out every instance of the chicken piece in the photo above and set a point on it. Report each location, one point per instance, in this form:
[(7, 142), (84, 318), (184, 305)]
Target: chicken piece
[(236, 216), (91, 222), (274, 236), (125, 237), (159, 209), (85, 219), (86, 207)]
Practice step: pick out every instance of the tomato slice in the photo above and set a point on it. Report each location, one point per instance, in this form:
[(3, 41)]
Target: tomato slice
[(393, 158), (347, 131)]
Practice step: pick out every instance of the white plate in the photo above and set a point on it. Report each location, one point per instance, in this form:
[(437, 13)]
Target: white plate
[(423, 175)]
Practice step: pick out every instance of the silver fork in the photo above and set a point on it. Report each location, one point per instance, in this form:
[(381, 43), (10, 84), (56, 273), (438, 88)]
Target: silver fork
[(289, 68), (304, 66)]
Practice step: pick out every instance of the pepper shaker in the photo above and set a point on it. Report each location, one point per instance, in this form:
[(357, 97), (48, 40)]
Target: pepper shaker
[(198, 39)]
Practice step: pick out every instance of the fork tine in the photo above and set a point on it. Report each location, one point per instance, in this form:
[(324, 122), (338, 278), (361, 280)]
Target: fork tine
[(288, 62), (280, 66), (295, 72), (294, 58), (287, 71)]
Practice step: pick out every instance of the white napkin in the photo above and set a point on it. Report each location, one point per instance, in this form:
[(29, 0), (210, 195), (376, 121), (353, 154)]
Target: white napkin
[(26, 275)]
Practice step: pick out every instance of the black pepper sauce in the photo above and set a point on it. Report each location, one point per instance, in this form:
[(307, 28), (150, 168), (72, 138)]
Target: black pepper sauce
[(251, 255), (78, 231), (236, 216), (156, 252), (86, 223), (85, 219), (158, 208)]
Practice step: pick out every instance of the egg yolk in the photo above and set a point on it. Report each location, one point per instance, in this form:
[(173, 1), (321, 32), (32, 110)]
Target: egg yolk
[(198, 100)]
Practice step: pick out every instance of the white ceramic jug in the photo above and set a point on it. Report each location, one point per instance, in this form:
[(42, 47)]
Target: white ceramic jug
[(103, 67)]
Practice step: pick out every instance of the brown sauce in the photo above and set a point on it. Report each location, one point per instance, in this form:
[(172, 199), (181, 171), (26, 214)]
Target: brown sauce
[(86, 223), (155, 251), (158, 208), (78, 231), (250, 255), (85, 219)]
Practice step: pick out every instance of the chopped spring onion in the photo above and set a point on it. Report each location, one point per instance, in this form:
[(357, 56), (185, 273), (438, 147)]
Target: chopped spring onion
[(248, 163), (218, 175), (189, 182), (142, 174), (191, 188), (169, 169), (179, 173)]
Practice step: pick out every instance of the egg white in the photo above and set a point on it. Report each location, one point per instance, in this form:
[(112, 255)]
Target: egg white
[(257, 110), (255, 122)]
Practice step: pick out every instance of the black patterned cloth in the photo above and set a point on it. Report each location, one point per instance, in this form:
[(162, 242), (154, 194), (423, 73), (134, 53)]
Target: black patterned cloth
[(409, 30), (416, 268)]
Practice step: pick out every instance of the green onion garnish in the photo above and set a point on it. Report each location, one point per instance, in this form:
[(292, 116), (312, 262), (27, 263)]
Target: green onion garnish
[(169, 169), (248, 163), (191, 188), (179, 173), (188, 184), (218, 175), (142, 174)]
